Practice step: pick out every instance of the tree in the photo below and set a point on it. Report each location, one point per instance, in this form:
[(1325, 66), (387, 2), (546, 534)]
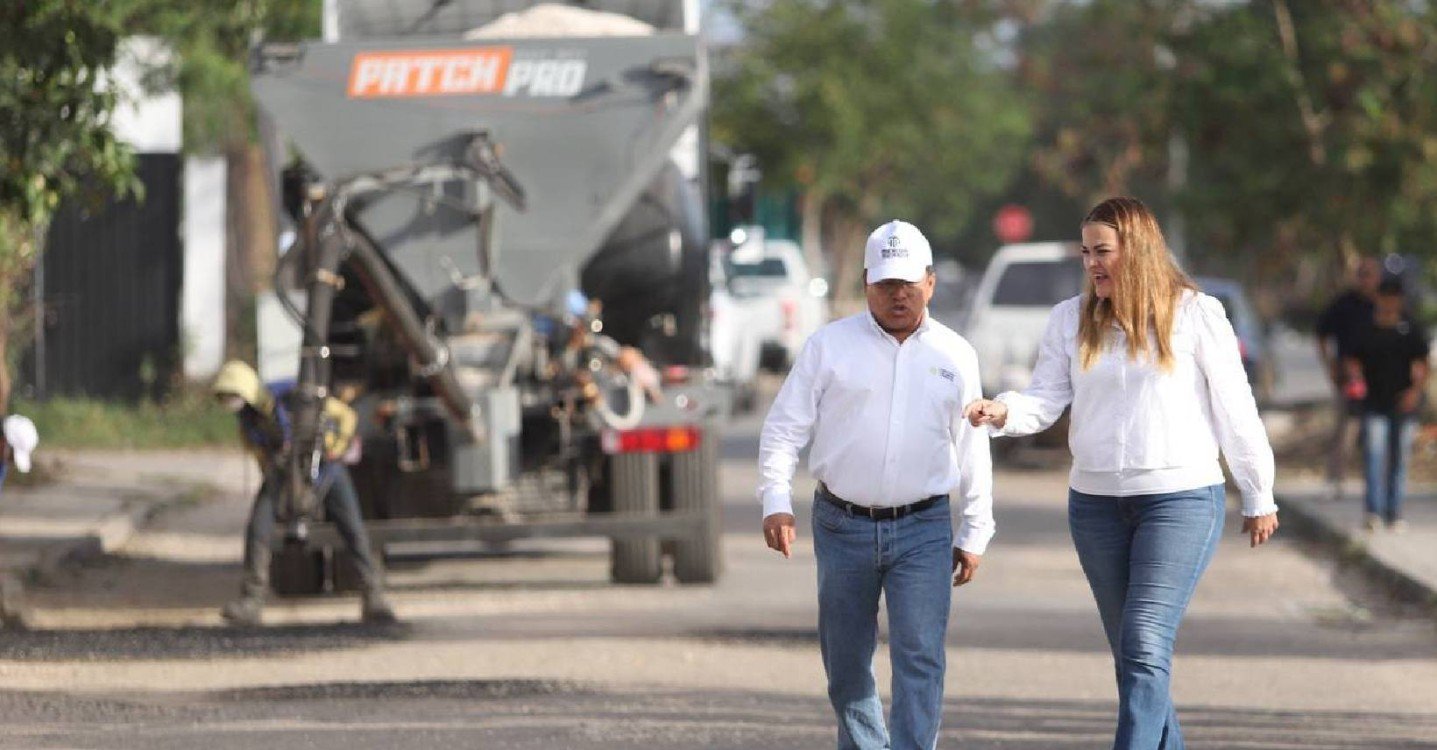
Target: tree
[(1316, 125), (212, 40), (55, 142), (1100, 73), (1311, 128), (876, 109)]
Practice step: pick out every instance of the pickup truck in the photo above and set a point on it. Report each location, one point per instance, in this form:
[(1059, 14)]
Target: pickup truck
[(784, 302)]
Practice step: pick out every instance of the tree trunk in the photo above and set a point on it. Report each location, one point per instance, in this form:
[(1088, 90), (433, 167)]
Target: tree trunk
[(811, 212), (249, 244), (20, 244), (846, 252)]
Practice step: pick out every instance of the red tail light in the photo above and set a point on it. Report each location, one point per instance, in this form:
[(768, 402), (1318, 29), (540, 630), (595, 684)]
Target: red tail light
[(676, 374), (790, 315), (650, 440)]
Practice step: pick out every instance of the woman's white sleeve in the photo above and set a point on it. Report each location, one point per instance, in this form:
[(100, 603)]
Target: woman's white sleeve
[(1038, 406), (1239, 429)]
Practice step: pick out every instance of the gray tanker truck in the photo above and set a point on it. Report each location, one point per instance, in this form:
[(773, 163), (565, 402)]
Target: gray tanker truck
[(500, 260)]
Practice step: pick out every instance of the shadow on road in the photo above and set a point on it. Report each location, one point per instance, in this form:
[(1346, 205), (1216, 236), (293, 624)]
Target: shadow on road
[(526, 714)]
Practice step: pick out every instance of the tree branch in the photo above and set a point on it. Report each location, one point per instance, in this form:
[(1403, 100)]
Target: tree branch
[(1313, 122)]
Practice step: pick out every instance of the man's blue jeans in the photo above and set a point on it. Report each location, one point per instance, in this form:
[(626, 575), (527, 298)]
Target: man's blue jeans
[(341, 503), (910, 561), (1386, 446), (1143, 556)]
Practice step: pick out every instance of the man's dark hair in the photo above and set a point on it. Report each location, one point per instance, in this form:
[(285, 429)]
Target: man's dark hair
[(1390, 285)]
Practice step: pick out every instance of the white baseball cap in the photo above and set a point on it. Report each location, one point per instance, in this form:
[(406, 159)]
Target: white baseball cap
[(897, 250), (22, 436)]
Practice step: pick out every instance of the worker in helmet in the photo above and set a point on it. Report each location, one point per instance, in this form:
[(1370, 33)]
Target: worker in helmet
[(264, 421)]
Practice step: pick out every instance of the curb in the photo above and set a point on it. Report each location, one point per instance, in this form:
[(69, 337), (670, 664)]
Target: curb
[(1350, 546), (111, 533)]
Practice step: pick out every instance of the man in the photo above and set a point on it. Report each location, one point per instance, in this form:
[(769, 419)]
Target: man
[(1337, 328), (882, 393), (1387, 373), (264, 420)]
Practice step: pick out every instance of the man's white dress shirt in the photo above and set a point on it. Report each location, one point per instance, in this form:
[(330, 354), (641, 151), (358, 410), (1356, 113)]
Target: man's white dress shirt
[(1139, 430), (886, 421)]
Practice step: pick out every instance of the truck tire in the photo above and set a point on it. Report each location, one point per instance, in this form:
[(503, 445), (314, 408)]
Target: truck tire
[(297, 571), (634, 484), (699, 558)]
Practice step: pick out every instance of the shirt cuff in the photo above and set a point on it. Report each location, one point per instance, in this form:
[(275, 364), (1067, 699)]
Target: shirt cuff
[(1260, 505), (777, 501), (972, 540)]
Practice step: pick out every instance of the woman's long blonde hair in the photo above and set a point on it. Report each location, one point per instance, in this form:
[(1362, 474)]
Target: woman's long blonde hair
[(1147, 285)]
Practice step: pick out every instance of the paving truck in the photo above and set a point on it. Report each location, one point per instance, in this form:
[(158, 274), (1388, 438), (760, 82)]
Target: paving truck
[(498, 256)]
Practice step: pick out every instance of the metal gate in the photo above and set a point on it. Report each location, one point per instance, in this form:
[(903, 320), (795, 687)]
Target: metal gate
[(111, 292)]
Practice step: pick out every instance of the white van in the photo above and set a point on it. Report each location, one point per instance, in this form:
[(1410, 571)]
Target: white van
[(1011, 306)]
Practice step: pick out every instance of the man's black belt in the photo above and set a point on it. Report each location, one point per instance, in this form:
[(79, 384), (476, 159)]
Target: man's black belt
[(878, 514)]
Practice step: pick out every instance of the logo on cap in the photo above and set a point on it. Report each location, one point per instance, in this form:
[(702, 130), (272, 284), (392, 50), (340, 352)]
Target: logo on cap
[(894, 248)]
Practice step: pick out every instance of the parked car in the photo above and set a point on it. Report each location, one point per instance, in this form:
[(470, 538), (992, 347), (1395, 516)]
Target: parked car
[(732, 345), (1011, 305), (1252, 340), (787, 302)]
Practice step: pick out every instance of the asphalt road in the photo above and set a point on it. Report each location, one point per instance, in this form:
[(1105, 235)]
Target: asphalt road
[(533, 648)]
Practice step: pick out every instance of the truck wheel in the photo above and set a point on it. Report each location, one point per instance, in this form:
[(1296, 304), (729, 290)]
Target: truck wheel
[(634, 484), (699, 558), (297, 571)]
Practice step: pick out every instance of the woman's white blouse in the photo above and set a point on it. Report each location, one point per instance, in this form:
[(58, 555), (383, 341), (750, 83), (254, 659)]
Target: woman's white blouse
[(1139, 430)]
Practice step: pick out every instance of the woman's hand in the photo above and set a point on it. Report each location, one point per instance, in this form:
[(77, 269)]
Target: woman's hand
[(984, 411), (1260, 528)]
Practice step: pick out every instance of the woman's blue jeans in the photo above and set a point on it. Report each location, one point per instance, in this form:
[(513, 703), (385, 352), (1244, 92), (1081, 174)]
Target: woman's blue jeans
[(909, 561), (1143, 556), (1386, 446)]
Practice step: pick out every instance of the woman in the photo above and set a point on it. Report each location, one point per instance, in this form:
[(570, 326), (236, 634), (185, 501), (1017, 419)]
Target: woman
[(1151, 369)]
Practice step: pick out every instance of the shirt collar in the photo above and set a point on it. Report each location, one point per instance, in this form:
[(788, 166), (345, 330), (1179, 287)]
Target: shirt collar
[(923, 326)]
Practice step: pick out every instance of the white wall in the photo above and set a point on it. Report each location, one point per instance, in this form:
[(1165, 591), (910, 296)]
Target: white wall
[(150, 121), (280, 336), (202, 292)]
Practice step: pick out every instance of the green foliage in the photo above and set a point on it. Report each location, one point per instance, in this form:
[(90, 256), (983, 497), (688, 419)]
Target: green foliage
[(188, 419), (54, 135), (1325, 144), (55, 140), (1100, 72), (1311, 127), (880, 108), (212, 38)]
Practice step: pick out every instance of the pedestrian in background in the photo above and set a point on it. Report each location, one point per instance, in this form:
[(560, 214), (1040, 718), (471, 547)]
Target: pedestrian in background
[(1151, 369), (1338, 326), (881, 394), (1386, 365), (264, 419), (18, 439)]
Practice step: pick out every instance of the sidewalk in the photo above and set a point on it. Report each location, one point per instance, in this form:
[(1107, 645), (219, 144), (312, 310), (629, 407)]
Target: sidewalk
[(98, 501), (1407, 561)]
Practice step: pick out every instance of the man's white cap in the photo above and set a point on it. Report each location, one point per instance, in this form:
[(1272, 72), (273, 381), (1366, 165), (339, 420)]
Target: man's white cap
[(22, 436), (897, 250)]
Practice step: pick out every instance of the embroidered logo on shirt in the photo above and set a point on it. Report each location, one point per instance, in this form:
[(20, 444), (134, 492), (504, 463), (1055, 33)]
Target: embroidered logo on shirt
[(947, 375)]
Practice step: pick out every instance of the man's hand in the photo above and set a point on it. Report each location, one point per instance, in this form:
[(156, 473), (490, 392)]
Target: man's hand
[(984, 411), (965, 566), (779, 533), (1259, 528), (1409, 399)]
